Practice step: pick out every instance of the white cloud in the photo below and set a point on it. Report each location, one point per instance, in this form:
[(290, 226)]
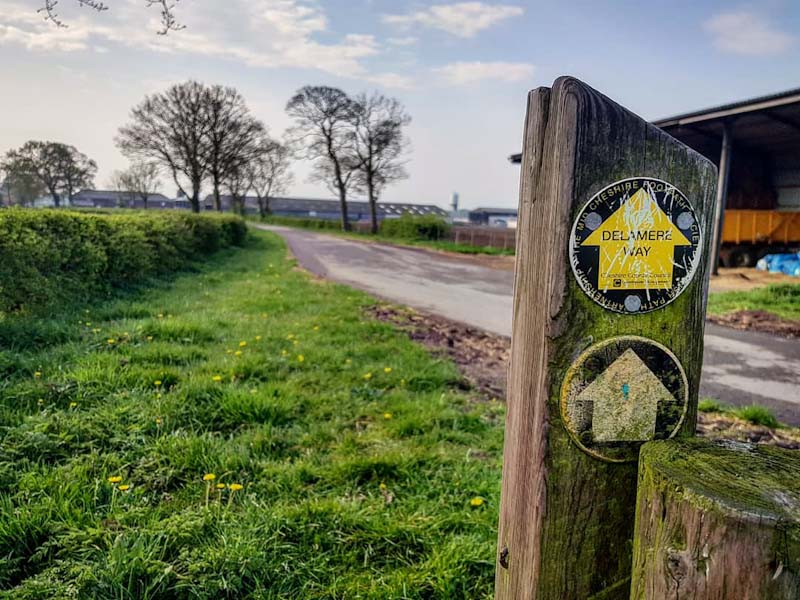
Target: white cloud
[(746, 33), (463, 19), (402, 41), (460, 73), (259, 33)]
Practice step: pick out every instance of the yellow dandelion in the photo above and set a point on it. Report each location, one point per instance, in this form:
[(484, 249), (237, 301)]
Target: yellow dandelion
[(157, 383), (40, 401), (382, 486), (235, 487), (476, 501), (300, 358), (295, 342), (387, 416), (228, 351), (88, 323), (124, 488), (258, 338), (160, 316), (149, 338), (238, 353), (316, 327), (110, 341), (217, 378), (290, 336), (242, 344), (284, 352), (159, 421), (220, 486), (367, 376), (73, 405), (263, 315), (209, 477), (114, 479), (96, 330), (37, 374), (387, 369), (349, 361)]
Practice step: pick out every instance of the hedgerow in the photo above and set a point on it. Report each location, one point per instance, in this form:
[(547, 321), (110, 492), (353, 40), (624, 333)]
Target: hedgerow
[(408, 227), (55, 256)]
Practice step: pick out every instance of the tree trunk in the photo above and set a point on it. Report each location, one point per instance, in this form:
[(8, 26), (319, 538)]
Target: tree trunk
[(343, 206), (373, 209), (56, 199), (569, 469), (217, 198), (717, 520)]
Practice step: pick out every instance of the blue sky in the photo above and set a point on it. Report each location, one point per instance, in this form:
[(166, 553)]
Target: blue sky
[(461, 68)]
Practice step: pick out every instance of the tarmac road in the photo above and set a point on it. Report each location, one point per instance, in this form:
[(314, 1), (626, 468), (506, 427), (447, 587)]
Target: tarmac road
[(739, 368)]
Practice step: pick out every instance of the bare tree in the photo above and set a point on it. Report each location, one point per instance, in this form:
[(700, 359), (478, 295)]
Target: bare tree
[(379, 145), (323, 117), (21, 188), (233, 134), (171, 129), (269, 172), (238, 183), (58, 167), (119, 183), (77, 170), (140, 180), (166, 7)]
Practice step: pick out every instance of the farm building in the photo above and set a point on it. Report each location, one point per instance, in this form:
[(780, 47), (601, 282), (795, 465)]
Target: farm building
[(113, 199), (329, 209), (494, 217), (756, 146)]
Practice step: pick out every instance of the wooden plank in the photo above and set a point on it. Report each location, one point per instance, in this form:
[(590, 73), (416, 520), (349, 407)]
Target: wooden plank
[(566, 517), (717, 520)]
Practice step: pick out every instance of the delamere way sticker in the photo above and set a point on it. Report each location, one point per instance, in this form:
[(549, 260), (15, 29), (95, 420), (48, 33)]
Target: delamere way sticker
[(636, 245)]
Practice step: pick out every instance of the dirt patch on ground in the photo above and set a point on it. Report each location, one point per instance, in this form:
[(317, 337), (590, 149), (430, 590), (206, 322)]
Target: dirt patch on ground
[(744, 280), (758, 320), (482, 359)]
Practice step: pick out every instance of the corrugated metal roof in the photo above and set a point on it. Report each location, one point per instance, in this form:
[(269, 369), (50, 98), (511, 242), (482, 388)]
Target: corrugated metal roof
[(759, 103)]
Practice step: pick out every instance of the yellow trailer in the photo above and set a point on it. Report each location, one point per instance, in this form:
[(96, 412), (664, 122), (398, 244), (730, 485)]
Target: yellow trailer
[(747, 235)]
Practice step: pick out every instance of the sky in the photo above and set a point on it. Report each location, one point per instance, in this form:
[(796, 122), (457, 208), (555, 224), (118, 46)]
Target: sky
[(462, 69)]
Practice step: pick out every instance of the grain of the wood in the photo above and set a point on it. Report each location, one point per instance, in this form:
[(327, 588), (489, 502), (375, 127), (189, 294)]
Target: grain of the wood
[(717, 521), (566, 518)]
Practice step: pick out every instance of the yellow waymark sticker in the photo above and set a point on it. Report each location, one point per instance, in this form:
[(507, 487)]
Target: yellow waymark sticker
[(637, 246)]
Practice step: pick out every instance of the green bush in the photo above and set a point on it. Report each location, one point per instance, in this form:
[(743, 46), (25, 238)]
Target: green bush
[(54, 256), (305, 223), (407, 227)]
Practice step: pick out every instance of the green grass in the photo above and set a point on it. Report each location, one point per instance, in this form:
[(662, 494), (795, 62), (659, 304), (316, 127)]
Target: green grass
[(331, 228), (755, 413), (357, 455), (780, 299)]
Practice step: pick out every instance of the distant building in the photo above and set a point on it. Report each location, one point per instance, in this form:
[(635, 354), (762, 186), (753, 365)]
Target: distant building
[(329, 209), (114, 199), (494, 217)]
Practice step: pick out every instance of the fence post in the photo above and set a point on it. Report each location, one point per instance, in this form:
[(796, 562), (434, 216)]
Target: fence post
[(609, 305), (717, 520)]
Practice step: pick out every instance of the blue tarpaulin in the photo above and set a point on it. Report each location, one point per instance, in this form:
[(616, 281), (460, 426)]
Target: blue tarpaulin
[(781, 263)]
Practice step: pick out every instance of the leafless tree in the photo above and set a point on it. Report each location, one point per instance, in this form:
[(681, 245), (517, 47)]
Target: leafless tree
[(233, 134), (77, 170), (166, 7), (21, 188), (140, 180), (119, 183), (268, 172), (379, 145), (60, 169), (238, 183), (171, 129), (323, 132)]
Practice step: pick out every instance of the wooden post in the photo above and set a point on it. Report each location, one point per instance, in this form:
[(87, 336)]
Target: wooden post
[(569, 474), (722, 194), (717, 520)]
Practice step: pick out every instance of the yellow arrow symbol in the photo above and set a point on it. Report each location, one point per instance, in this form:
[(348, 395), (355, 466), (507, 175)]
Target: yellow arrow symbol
[(637, 245)]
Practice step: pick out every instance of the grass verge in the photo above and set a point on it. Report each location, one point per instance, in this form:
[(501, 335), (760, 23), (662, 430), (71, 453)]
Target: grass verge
[(782, 300), (364, 472), (331, 228)]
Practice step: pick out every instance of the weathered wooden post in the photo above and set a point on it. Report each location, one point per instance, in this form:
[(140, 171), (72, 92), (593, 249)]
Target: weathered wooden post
[(717, 520), (609, 306)]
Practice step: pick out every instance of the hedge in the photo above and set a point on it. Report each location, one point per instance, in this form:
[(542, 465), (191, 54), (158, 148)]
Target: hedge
[(407, 227), (305, 222), (55, 256)]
